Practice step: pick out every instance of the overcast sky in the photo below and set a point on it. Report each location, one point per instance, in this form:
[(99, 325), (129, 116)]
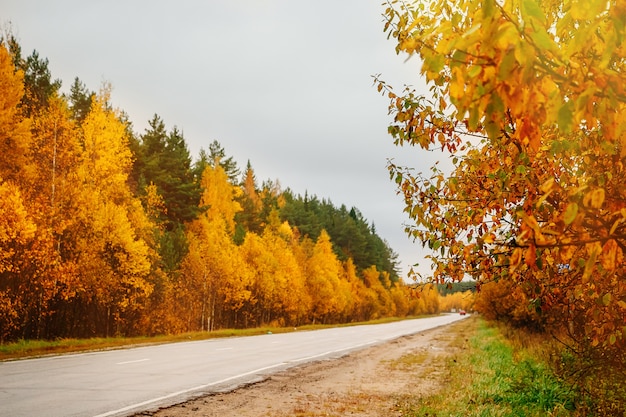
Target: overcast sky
[(285, 84)]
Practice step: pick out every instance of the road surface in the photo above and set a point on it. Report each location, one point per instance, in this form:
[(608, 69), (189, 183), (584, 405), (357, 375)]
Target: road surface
[(126, 381)]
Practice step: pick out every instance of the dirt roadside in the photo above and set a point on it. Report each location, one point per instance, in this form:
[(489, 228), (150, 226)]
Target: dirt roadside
[(376, 381)]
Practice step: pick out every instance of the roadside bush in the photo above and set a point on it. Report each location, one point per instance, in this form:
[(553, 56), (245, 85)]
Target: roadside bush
[(507, 302), (597, 376)]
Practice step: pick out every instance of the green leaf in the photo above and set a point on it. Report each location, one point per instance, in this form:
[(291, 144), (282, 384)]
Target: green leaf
[(507, 65), (488, 8), (570, 213), (566, 117), (436, 63), (532, 9), (474, 71)]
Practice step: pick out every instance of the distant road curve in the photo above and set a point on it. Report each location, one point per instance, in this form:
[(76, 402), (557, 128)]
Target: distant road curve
[(126, 381)]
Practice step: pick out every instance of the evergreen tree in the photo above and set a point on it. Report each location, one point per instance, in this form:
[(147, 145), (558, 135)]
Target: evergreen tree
[(80, 99), (217, 155), (250, 217), (181, 189), (163, 159), (38, 83), (350, 233), (200, 165)]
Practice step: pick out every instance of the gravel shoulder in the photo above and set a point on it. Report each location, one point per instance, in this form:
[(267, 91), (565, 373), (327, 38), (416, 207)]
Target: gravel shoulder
[(375, 381)]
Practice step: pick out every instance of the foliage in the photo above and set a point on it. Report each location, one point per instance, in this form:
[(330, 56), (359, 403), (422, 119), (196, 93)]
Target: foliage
[(458, 301), (454, 287), (351, 234), (507, 302), (492, 378), (163, 159), (526, 98), (104, 232), (80, 99)]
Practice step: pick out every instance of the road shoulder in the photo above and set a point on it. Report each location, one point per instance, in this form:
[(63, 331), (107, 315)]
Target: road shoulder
[(370, 382)]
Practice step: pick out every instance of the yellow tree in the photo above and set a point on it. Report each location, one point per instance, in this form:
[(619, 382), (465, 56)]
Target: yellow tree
[(323, 280), (17, 230), (16, 226), (279, 293), (374, 279), (295, 300), (220, 196), (112, 256), (527, 97), (15, 135), (356, 292), (214, 271), (52, 197), (33, 274)]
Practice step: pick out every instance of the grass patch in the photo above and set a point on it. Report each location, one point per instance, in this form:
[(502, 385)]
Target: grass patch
[(34, 348), (491, 378), (408, 361)]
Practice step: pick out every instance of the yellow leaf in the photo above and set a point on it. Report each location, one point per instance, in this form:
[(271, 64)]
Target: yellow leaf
[(547, 185), (506, 36), (609, 255), (594, 198), (531, 256), (593, 251), (587, 10), (516, 259), (457, 85), (570, 213), (408, 45), (615, 225)]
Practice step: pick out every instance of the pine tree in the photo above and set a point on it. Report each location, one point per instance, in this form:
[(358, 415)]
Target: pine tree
[(80, 99), (38, 83), (217, 156), (163, 159), (249, 218)]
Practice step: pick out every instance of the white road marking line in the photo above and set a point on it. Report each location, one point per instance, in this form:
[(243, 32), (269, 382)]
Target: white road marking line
[(175, 394), (201, 387), (135, 361), (330, 352), (226, 348)]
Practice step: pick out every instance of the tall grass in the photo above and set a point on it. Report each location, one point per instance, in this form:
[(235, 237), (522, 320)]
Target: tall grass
[(497, 378)]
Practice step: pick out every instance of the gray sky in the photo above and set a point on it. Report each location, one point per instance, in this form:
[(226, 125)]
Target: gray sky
[(284, 84)]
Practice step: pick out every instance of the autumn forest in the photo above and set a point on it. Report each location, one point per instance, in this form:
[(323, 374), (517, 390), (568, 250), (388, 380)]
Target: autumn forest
[(104, 231)]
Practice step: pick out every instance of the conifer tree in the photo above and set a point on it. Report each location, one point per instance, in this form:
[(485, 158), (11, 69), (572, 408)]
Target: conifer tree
[(250, 217), (80, 99), (217, 156)]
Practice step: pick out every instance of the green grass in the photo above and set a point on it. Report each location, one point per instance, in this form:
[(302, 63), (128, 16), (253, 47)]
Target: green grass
[(33, 348), (494, 379)]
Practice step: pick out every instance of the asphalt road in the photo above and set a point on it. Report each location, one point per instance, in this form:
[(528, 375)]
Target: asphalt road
[(126, 381)]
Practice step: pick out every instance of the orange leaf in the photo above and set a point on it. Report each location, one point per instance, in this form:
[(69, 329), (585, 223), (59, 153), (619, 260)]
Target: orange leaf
[(609, 255), (531, 256)]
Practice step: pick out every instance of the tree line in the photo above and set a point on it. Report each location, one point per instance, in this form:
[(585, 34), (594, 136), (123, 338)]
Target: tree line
[(104, 231)]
